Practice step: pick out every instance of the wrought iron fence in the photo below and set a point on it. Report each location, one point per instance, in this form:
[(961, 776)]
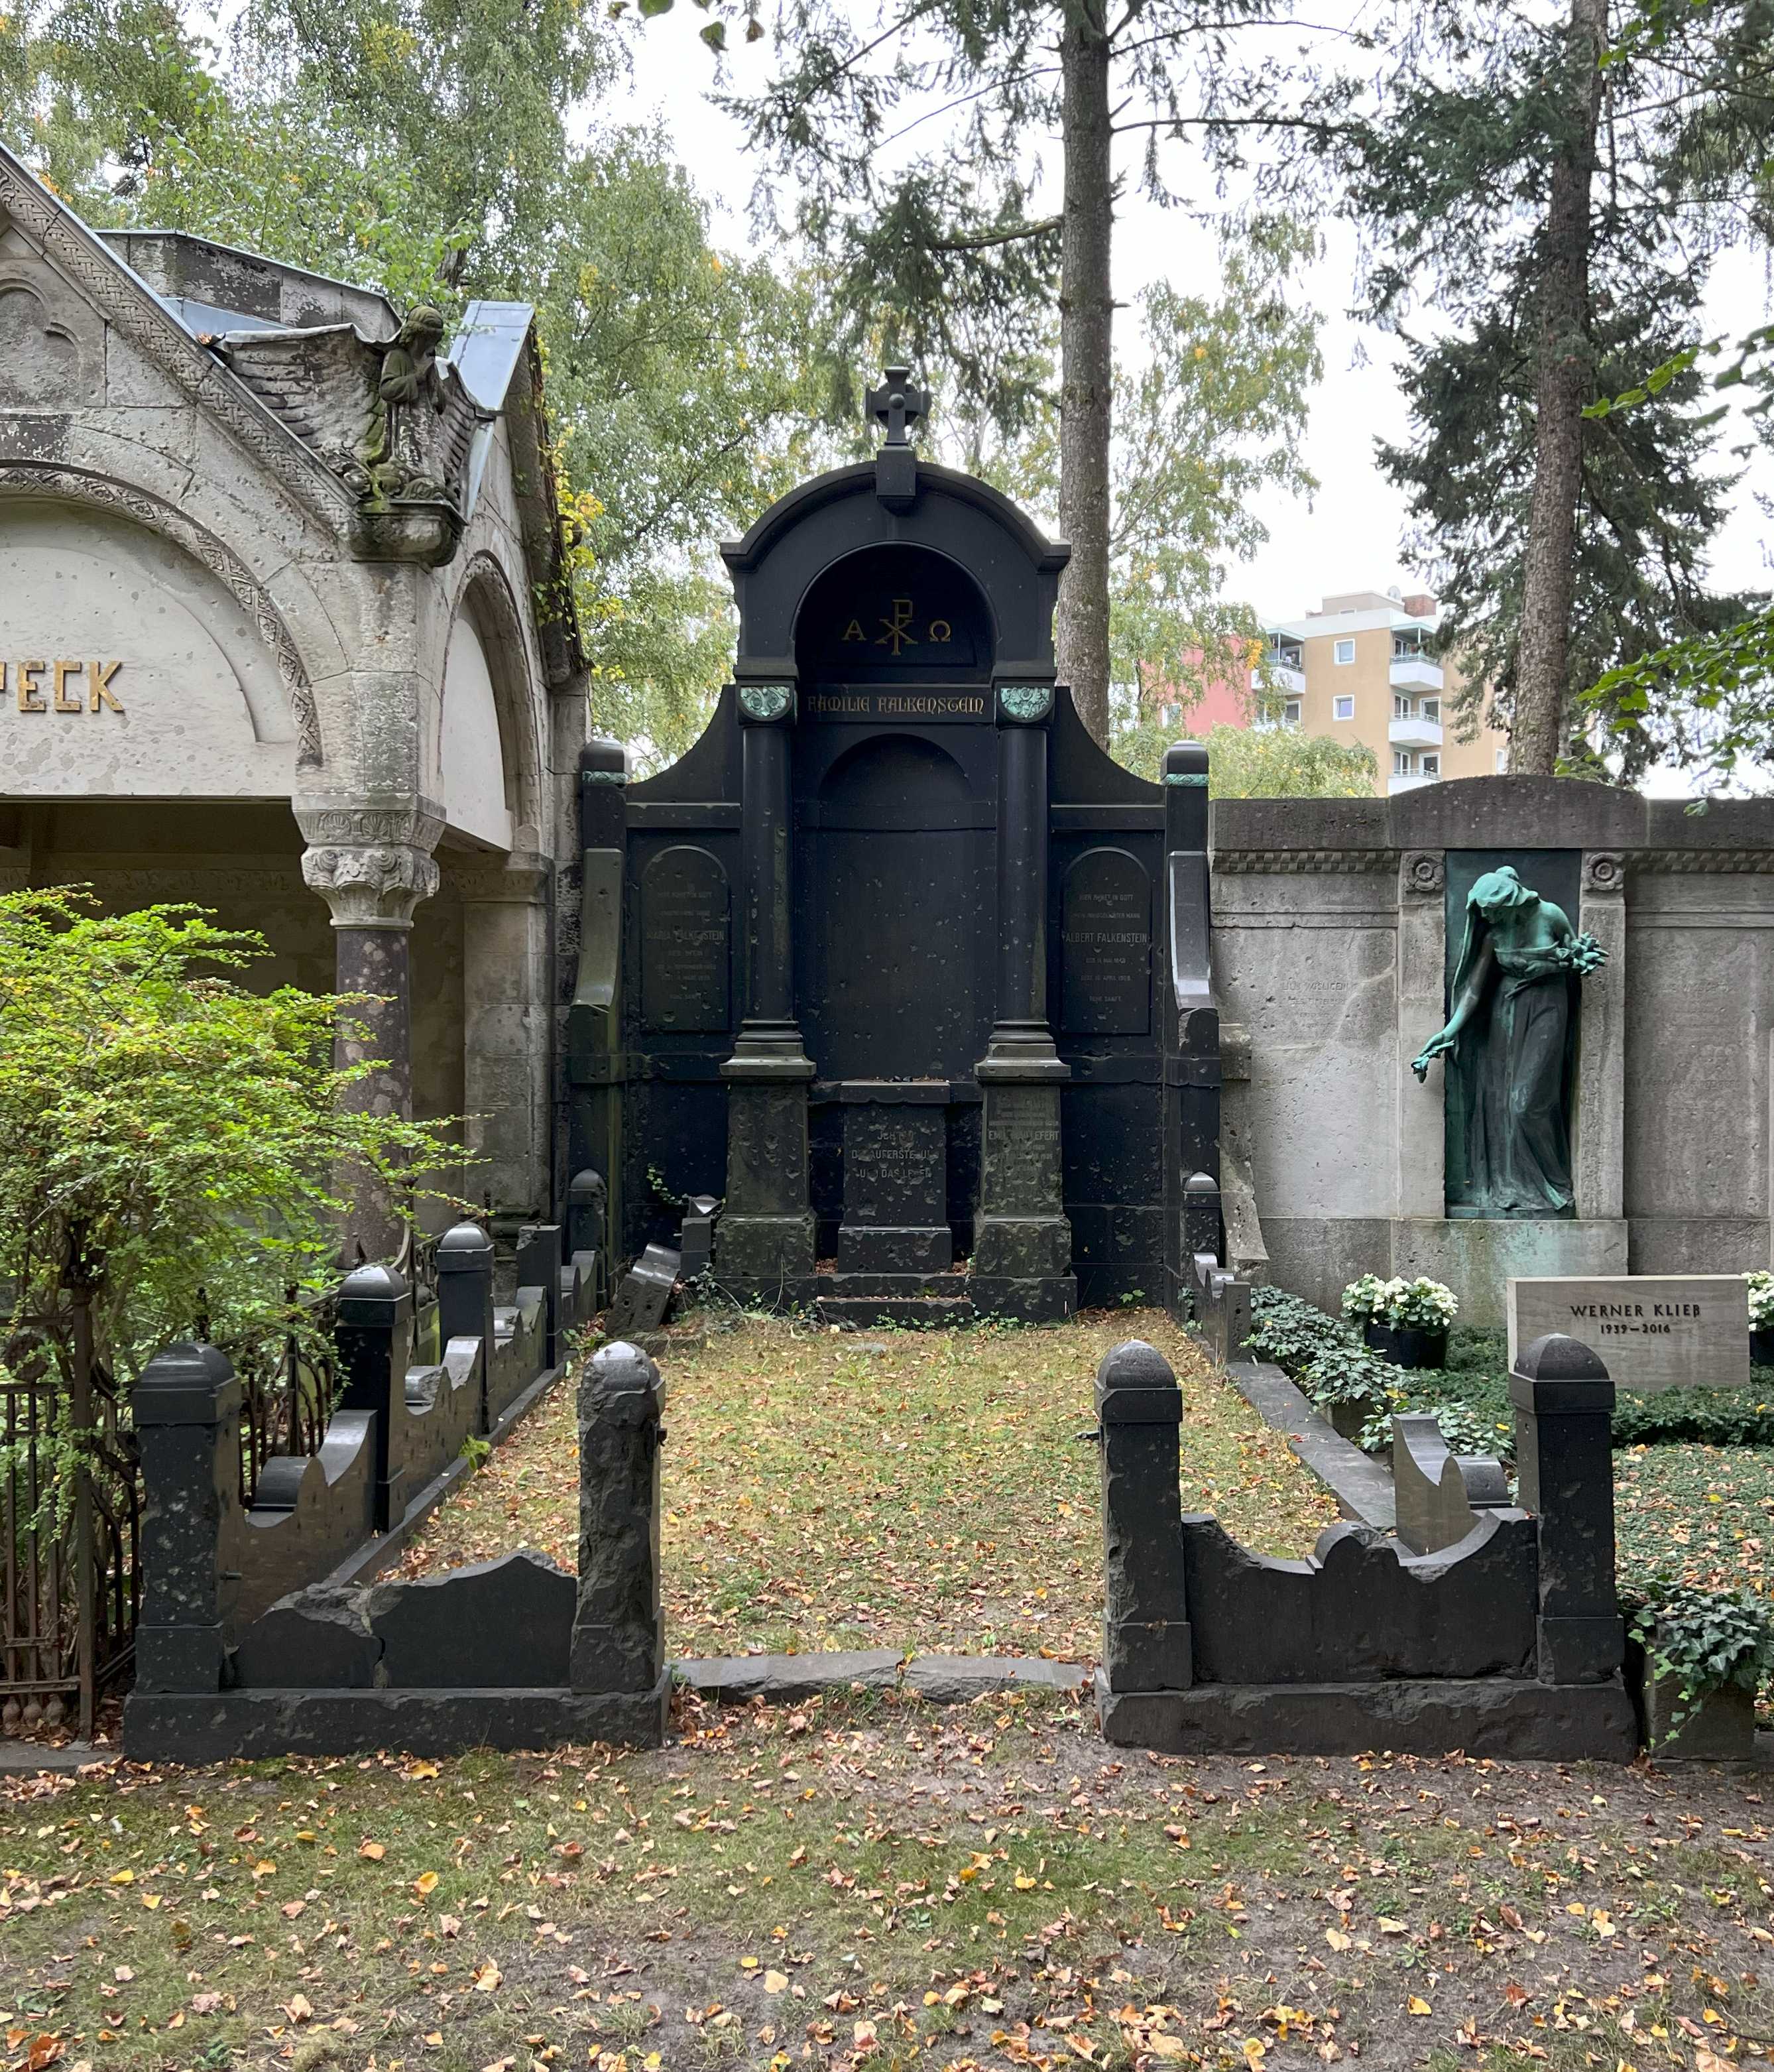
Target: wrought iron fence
[(70, 1518)]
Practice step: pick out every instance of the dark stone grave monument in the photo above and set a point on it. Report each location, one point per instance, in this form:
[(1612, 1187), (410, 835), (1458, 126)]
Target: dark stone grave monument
[(895, 962)]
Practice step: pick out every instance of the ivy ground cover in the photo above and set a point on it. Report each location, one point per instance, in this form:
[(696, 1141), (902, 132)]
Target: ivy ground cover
[(924, 1491)]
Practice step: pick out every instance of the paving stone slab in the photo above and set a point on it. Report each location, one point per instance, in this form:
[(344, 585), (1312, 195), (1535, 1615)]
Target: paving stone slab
[(955, 1679), (788, 1678)]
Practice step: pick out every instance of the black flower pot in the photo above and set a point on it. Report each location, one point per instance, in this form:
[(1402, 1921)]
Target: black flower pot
[(1405, 1345), (1761, 1347)]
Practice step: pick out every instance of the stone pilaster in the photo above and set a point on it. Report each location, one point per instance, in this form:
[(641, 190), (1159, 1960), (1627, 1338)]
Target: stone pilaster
[(1598, 1151), (1193, 1064), (764, 1243), (1022, 1246), (506, 1095), (597, 1065), (1420, 1182), (619, 1634)]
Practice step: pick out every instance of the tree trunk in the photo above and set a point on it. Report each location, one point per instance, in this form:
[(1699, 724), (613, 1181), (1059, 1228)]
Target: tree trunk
[(1086, 363), (1560, 390)]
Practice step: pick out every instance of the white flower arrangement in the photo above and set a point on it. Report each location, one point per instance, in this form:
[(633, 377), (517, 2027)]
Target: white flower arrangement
[(1421, 1305), (1761, 1301)]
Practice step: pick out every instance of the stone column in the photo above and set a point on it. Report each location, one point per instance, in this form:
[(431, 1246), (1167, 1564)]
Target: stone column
[(1564, 1401), (186, 1408), (372, 864), (1022, 1246), (1598, 1151), (619, 1635), (1146, 1644), (1419, 1185), (764, 1243), (506, 1030)]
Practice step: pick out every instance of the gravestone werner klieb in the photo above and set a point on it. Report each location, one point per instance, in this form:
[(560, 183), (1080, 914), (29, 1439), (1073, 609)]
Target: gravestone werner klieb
[(1678, 1330), (895, 962)]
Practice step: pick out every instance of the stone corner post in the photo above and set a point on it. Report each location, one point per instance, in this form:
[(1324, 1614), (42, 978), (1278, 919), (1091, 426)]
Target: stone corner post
[(465, 1300), (618, 1632), (507, 1011), (1599, 1150), (764, 1245), (186, 1408), (1191, 1017), (1022, 1249), (587, 1205), (539, 1254), (597, 1065), (1146, 1644), (372, 863), (1563, 1400), (374, 1335)]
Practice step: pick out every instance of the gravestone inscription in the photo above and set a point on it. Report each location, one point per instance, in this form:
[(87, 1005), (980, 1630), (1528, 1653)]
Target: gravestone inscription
[(895, 1169), (1678, 1330), (1105, 946), (686, 924)]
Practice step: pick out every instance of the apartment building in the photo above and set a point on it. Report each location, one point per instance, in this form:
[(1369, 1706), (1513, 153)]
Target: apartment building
[(1364, 668)]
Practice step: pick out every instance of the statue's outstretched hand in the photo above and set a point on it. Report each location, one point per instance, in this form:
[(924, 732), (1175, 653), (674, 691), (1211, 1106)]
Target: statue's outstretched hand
[(1437, 1045), (1583, 953)]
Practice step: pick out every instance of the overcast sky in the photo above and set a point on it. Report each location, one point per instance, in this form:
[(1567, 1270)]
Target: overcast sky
[(1351, 536)]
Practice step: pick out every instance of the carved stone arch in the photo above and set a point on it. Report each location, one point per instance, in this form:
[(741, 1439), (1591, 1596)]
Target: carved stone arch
[(52, 481), (51, 348), (485, 593)]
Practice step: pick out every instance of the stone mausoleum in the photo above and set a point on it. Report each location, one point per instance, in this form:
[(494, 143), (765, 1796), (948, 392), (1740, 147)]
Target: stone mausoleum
[(270, 640)]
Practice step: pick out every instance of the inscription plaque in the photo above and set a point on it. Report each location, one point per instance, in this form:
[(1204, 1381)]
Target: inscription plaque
[(1105, 946), (686, 943), (1650, 1331)]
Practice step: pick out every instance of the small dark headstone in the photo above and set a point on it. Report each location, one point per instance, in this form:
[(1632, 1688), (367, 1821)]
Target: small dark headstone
[(895, 1200), (645, 1294)]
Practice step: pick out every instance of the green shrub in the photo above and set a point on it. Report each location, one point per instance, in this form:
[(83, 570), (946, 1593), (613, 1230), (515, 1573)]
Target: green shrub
[(1292, 1333), (1701, 1640)]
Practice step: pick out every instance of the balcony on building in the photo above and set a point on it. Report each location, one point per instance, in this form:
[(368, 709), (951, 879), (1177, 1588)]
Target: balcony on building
[(1413, 729), (1413, 669), (1409, 780)]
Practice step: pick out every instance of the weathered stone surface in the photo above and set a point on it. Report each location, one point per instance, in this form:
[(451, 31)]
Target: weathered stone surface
[(187, 1408), (956, 1680), (1439, 1493), (618, 1641), (1147, 1638), (696, 1244), (254, 1724), (645, 1293), (788, 1678), (861, 1312), (1685, 1330), (493, 1624), (895, 1189), (1563, 1402), (1359, 1610), (1495, 1718), (318, 1638), (1720, 1728)]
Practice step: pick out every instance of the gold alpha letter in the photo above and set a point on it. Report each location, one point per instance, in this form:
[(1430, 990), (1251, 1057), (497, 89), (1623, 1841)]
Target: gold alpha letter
[(30, 693), (63, 702), (99, 676)]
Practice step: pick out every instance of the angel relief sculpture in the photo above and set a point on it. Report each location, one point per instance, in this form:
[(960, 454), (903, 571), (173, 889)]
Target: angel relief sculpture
[(392, 419), (1510, 1046)]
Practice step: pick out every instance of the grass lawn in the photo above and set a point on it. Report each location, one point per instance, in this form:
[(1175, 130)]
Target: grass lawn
[(931, 1494), (888, 1886)]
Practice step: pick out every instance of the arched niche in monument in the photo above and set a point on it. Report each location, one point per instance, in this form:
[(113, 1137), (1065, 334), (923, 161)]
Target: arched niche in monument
[(130, 669), (470, 750)]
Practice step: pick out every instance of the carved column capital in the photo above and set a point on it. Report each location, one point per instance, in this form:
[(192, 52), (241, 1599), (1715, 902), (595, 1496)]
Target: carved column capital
[(370, 863)]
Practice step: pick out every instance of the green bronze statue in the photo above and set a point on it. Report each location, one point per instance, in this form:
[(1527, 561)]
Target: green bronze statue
[(1510, 1044)]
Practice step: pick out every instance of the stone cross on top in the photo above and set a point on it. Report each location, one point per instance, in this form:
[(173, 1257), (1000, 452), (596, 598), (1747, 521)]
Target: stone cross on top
[(897, 405)]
